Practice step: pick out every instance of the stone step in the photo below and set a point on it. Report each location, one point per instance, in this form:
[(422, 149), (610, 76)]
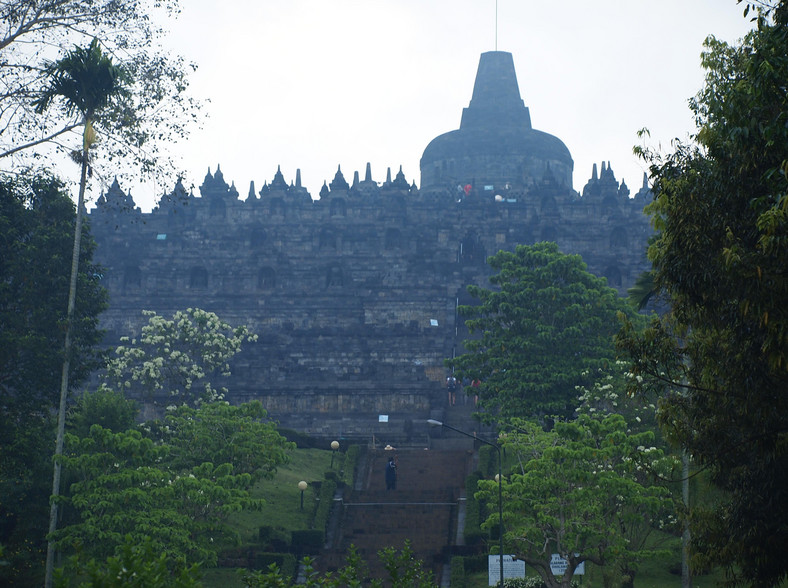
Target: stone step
[(422, 510)]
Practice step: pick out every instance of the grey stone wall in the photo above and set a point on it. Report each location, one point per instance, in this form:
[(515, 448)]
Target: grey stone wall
[(354, 295)]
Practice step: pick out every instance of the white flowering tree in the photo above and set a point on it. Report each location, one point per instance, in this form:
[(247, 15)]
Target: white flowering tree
[(181, 357), (579, 491)]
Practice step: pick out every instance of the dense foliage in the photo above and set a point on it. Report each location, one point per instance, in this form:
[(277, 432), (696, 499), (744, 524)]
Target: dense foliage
[(543, 326), (36, 236), (156, 109), (37, 220), (586, 490), (719, 260), (403, 570), (171, 484)]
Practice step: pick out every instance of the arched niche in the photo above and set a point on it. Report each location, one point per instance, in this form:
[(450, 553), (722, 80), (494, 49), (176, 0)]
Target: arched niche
[(198, 277), (266, 278)]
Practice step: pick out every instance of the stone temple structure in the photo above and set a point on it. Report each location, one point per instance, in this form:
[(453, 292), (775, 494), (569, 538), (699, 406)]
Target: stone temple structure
[(353, 294)]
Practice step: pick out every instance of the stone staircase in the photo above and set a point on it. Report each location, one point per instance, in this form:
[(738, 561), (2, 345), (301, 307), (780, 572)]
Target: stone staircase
[(423, 509)]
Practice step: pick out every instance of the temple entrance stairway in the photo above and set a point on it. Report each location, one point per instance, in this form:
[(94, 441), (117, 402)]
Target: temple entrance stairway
[(423, 509)]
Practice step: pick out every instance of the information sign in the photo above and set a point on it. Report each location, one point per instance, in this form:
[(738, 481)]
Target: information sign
[(512, 568), (558, 566)]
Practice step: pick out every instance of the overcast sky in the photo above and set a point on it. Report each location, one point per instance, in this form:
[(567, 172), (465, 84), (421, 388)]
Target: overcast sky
[(313, 84)]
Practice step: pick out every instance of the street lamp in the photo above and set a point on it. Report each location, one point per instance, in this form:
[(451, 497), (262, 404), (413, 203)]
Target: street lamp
[(498, 478), (334, 447), (302, 486)]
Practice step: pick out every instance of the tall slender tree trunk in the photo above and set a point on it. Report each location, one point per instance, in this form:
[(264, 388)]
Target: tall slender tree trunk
[(686, 573), (61, 417)]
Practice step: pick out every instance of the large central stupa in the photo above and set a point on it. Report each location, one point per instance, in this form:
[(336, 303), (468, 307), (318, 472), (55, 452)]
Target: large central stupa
[(495, 147)]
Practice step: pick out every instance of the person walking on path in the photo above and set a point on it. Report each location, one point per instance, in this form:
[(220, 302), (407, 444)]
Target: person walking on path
[(391, 474)]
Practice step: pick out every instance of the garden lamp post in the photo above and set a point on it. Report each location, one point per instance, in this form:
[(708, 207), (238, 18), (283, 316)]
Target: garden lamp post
[(334, 447), (499, 479), (302, 486)]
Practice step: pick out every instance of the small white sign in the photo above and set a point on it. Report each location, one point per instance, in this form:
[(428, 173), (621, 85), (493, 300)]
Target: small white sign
[(558, 566), (433, 322), (383, 418), (512, 568)]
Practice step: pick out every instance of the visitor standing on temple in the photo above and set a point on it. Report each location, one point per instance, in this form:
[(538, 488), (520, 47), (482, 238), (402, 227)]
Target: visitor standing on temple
[(391, 474), (451, 387)]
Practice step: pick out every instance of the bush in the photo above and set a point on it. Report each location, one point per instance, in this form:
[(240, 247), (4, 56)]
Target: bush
[(308, 542), (325, 502), (488, 461), (473, 511), (352, 456), (302, 440), (458, 579), (475, 564), (272, 539), (286, 562), (530, 582)]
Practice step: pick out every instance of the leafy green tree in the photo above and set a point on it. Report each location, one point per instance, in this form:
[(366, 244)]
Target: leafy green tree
[(138, 565), (579, 491), (105, 407), (37, 220), (546, 323), (177, 357), (223, 433), (720, 356), (134, 483), (157, 110)]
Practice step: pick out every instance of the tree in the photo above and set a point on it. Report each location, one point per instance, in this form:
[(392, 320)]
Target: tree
[(545, 325), (223, 433), (156, 111), (579, 491), (138, 565), (84, 82), (37, 221), (720, 356), (179, 358), (144, 484), (105, 407)]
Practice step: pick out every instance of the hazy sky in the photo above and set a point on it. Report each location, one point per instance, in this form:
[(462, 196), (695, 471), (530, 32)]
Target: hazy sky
[(313, 84)]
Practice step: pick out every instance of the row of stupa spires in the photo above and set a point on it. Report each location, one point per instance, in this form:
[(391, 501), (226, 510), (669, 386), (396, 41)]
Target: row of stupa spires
[(214, 185)]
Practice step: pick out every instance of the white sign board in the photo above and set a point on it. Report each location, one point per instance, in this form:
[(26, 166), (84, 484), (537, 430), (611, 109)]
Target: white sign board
[(383, 418), (512, 568), (558, 566)]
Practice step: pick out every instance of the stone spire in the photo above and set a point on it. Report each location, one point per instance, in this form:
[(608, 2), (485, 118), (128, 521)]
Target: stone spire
[(339, 182), (496, 98), (399, 180)]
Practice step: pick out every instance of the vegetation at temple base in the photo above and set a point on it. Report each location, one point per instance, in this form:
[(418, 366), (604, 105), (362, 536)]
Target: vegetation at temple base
[(172, 482), (37, 220), (720, 356), (588, 489), (547, 323), (402, 568), (177, 357)]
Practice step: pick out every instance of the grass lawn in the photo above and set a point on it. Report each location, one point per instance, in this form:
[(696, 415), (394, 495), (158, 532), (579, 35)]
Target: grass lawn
[(282, 510)]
